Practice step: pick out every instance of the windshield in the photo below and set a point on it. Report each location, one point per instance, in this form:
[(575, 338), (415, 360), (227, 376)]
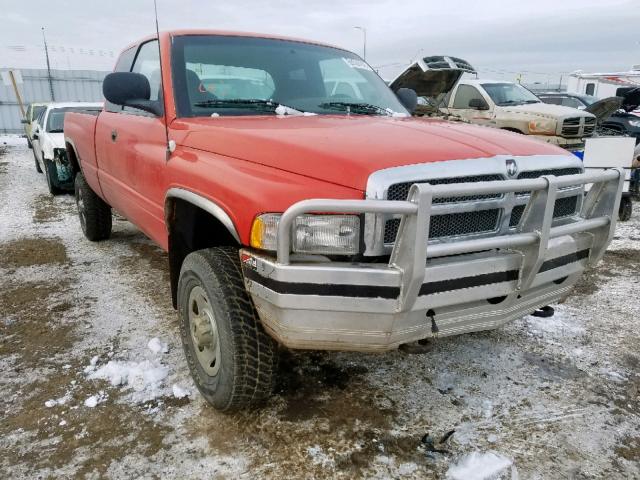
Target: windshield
[(509, 94), (55, 121), (588, 99), (227, 75)]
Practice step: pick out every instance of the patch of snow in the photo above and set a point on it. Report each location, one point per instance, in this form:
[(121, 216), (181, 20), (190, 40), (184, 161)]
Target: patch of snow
[(94, 400), (157, 346), (62, 423), (50, 403), (479, 466), (94, 360), (319, 457), (407, 468), (283, 110), (180, 392), (137, 375)]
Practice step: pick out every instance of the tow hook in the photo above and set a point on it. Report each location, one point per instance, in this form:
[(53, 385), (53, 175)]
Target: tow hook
[(544, 312), (422, 346), (434, 326)]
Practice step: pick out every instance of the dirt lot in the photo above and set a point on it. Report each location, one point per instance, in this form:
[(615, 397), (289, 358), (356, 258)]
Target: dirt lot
[(538, 399)]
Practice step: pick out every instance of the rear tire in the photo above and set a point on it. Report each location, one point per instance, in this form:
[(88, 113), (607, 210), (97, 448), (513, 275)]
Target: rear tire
[(94, 213), (38, 169), (51, 172), (232, 360)]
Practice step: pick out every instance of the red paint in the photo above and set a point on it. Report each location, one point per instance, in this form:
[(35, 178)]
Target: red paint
[(256, 164)]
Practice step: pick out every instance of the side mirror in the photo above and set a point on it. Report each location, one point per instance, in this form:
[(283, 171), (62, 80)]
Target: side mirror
[(24, 121), (478, 104), (130, 90), (408, 98)]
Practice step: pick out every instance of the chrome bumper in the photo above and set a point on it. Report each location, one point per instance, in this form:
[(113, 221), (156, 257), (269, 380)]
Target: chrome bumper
[(424, 290)]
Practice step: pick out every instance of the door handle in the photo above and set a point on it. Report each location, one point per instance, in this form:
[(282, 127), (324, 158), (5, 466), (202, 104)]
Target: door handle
[(114, 135)]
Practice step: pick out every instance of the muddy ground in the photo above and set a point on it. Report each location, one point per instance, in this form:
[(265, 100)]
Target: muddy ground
[(556, 398)]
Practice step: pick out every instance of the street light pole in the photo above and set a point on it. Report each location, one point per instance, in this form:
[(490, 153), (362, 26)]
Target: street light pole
[(364, 47), (46, 52)]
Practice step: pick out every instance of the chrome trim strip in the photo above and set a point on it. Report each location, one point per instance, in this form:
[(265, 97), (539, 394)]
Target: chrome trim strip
[(203, 203)]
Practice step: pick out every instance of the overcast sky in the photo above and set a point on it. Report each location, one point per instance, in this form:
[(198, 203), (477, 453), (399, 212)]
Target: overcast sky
[(540, 39)]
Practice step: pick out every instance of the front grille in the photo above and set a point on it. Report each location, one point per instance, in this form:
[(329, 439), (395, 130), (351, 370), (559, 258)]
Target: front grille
[(451, 224), (516, 215), (564, 207), (571, 127), (589, 126), (558, 172), (400, 191)]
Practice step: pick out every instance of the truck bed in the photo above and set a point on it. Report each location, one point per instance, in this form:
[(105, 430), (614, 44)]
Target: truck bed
[(79, 132)]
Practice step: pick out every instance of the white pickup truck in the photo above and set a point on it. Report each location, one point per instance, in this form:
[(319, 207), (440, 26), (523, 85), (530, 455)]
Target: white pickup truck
[(506, 105)]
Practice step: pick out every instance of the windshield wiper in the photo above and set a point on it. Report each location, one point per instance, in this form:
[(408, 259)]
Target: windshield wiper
[(510, 102), (57, 130), (237, 103), (255, 103), (355, 107)]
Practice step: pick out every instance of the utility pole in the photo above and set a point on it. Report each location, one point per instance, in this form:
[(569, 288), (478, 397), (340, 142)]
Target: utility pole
[(364, 48), (46, 52), (17, 92)]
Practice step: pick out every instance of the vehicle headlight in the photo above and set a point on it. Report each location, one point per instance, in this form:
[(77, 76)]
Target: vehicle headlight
[(634, 123), (321, 234), (543, 126)]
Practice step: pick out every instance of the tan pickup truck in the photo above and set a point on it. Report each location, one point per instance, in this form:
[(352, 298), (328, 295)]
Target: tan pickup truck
[(506, 105)]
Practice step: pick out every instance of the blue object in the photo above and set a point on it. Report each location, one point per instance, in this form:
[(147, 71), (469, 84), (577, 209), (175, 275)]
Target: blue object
[(579, 154)]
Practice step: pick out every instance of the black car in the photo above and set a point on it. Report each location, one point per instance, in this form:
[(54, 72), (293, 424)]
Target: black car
[(619, 121)]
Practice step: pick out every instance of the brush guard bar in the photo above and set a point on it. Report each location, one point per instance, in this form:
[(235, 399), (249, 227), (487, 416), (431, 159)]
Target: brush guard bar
[(411, 249)]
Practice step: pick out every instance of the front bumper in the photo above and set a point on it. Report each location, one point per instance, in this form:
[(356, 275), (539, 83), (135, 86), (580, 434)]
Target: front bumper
[(425, 290)]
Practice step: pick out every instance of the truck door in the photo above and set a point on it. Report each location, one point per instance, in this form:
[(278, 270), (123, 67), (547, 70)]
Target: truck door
[(133, 144), (470, 104)]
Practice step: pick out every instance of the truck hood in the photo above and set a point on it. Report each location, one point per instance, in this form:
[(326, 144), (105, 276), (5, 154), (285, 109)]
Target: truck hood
[(432, 76), (604, 108), (545, 110), (345, 150)]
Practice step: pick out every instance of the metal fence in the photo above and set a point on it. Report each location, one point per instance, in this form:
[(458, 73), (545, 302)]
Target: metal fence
[(68, 86)]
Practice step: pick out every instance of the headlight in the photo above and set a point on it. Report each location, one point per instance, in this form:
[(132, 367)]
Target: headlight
[(634, 123), (321, 234), (543, 126)]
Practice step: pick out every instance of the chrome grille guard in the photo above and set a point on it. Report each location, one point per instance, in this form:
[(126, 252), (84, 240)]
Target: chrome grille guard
[(411, 250)]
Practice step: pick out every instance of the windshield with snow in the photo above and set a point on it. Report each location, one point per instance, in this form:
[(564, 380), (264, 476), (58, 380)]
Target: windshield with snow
[(509, 94), (229, 75)]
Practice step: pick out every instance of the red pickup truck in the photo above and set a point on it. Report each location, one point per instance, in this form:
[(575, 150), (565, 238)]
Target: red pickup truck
[(302, 206)]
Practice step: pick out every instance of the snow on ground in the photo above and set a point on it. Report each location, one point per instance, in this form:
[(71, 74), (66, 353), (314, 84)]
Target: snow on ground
[(94, 384)]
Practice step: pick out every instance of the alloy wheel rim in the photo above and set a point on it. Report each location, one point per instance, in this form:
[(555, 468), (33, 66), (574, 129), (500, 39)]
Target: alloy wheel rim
[(204, 331)]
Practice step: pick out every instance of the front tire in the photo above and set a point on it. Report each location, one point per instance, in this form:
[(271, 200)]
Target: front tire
[(626, 209), (94, 213), (35, 158), (51, 172), (231, 358)]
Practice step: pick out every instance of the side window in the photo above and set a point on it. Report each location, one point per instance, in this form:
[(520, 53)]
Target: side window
[(148, 64), (122, 65), (464, 95), (590, 89)]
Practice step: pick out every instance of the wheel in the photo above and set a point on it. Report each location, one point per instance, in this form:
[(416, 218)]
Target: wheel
[(626, 209), (94, 213), (51, 172), (231, 358), (38, 169)]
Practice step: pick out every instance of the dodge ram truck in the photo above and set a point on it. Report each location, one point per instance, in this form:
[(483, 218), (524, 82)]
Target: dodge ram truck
[(297, 215)]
